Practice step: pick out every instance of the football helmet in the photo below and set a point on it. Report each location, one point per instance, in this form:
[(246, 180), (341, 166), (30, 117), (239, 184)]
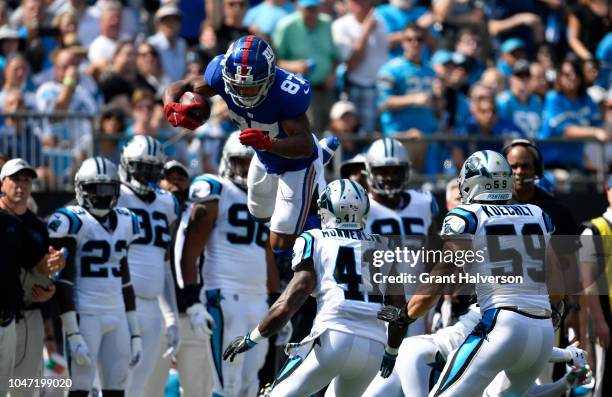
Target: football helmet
[(249, 69), (142, 162), (485, 176), (229, 168), (387, 167), (344, 204), (96, 185)]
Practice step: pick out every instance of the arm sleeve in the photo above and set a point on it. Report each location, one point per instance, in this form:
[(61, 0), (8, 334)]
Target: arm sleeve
[(303, 251), (556, 118), (60, 226), (294, 103), (342, 41), (129, 298)]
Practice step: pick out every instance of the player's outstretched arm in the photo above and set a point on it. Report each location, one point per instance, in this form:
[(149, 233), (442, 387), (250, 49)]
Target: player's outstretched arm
[(198, 84), (301, 285), (298, 144)]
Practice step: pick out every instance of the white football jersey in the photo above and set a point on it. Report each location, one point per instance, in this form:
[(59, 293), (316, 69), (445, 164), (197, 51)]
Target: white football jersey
[(512, 240), (414, 217), (98, 257), (148, 252), (343, 302), (235, 255)]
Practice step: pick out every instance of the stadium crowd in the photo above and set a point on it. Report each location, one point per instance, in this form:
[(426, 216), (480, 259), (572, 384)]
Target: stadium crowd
[(81, 78), (407, 68)]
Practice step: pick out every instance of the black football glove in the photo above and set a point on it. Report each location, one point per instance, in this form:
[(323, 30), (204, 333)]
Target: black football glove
[(388, 362), (238, 345), (392, 314)]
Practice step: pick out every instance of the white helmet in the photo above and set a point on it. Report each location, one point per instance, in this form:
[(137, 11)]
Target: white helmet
[(344, 204), (142, 162), (96, 185), (387, 152), (233, 149), (485, 176)]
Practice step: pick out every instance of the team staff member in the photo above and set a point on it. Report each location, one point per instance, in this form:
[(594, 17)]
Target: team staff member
[(17, 176), (527, 166), (20, 249)]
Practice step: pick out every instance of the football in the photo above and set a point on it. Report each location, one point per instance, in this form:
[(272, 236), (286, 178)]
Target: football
[(202, 112)]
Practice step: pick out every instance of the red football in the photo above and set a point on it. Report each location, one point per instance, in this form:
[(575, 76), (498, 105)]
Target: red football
[(202, 112)]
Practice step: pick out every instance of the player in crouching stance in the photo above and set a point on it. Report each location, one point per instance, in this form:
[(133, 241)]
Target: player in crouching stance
[(96, 281), (515, 335), (346, 341)]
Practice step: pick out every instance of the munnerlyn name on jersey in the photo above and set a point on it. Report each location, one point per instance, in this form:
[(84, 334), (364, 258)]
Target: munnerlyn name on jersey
[(351, 234)]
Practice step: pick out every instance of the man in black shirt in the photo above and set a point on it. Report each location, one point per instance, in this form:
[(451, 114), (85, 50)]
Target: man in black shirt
[(19, 250), (526, 162), (16, 177)]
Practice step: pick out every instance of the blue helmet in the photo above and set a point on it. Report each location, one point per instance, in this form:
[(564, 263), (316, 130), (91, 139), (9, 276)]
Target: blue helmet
[(249, 70)]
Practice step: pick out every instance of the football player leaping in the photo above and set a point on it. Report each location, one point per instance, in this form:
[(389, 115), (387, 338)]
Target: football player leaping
[(269, 106), (234, 270), (347, 342), (515, 335), (142, 161), (96, 281)]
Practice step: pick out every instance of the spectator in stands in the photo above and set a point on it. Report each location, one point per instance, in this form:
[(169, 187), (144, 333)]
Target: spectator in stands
[(453, 196), (33, 23), (469, 44), (67, 24), (150, 68), (111, 131), (361, 41), (17, 137), (450, 104), (16, 78), (171, 48), (518, 105), (143, 104), (512, 50), (494, 80), (516, 19), (588, 22), (397, 15), (604, 56), (344, 123), (224, 26), (9, 44), (66, 94), (304, 45), (406, 97), (457, 15), (262, 19), (120, 80), (196, 63), (538, 83), (569, 112), (486, 123), (103, 47), (88, 19)]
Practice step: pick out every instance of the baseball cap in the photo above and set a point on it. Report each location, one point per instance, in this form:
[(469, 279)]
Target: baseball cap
[(309, 3), (167, 11), (8, 33), (175, 165), (341, 108), (13, 166), (520, 67), (441, 57), (512, 44)]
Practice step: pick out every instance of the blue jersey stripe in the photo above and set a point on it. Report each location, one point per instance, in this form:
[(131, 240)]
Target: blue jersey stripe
[(75, 222), (308, 246), (470, 217)]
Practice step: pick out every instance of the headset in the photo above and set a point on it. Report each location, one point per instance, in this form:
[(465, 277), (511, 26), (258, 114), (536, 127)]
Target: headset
[(532, 148)]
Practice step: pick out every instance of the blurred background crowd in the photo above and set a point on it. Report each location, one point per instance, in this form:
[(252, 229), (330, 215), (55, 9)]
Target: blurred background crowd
[(79, 77)]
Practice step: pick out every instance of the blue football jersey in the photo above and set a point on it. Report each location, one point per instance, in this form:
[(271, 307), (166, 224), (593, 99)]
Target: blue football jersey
[(288, 97)]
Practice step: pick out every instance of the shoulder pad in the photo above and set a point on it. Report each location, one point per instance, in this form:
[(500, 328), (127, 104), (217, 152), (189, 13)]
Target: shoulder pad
[(64, 222), (205, 188)]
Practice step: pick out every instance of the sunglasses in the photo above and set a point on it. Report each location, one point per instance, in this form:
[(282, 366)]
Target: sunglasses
[(235, 4), (413, 39)]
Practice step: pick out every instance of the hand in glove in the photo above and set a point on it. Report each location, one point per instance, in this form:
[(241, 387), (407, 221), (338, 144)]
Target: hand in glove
[(201, 321), (136, 351), (238, 345), (387, 365), (78, 349), (173, 340)]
